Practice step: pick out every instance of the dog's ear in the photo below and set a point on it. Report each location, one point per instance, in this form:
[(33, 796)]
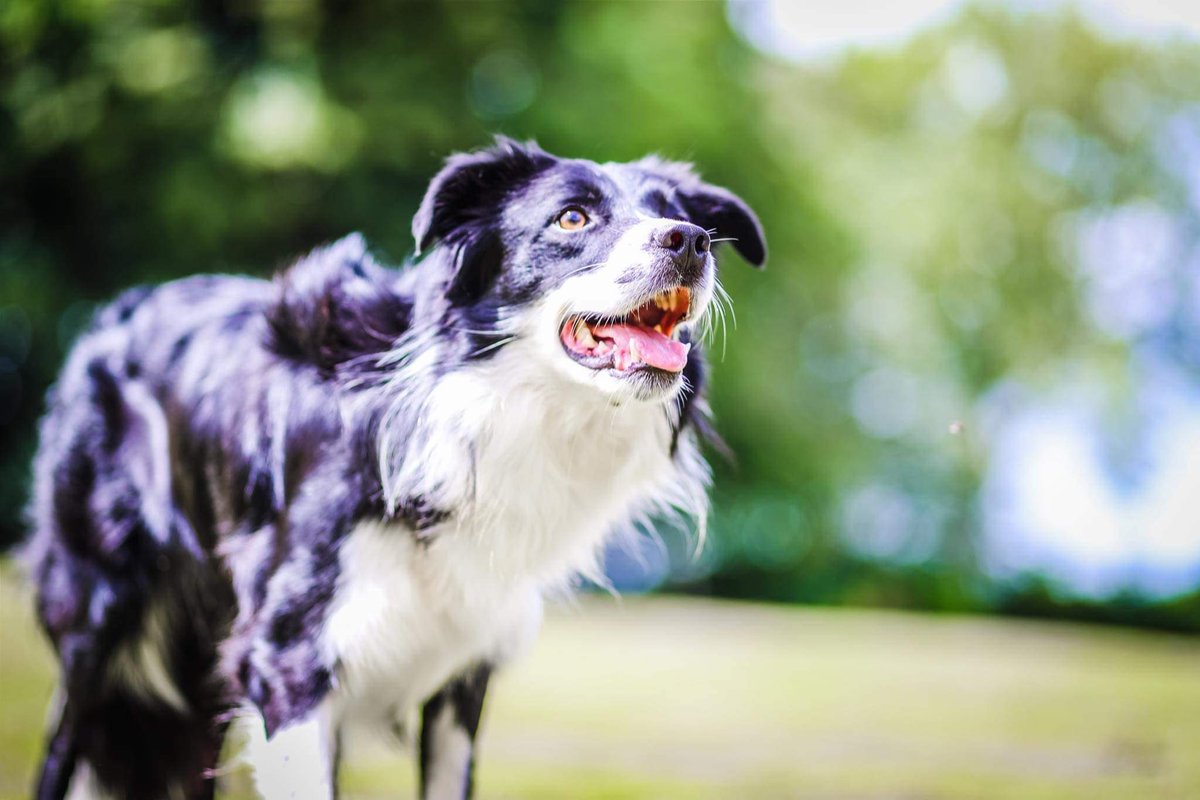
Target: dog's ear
[(462, 207), (714, 208), (723, 211)]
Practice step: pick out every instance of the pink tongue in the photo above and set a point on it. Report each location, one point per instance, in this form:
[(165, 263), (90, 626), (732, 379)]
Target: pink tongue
[(653, 348)]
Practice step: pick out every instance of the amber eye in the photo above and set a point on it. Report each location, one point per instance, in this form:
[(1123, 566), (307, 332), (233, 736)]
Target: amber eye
[(572, 219)]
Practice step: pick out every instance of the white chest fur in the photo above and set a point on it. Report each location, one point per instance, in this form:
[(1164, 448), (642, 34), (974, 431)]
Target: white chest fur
[(535, 477), (397, 630)]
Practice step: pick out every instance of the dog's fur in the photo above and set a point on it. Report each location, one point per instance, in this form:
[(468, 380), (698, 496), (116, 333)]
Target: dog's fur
[(341, 496)]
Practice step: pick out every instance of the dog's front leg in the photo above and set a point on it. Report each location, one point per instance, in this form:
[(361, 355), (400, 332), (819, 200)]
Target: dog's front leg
[(300, 761), (449, 721)]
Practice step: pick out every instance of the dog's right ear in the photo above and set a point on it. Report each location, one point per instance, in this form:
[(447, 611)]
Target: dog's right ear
[(462, 205)]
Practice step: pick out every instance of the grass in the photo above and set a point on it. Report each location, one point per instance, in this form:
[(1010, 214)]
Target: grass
[(673, 698)]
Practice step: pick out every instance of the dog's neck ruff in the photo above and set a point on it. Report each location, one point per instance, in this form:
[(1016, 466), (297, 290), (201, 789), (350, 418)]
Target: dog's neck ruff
[(530, 469)]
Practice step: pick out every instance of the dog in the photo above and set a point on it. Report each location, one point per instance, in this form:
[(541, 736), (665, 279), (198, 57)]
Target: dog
[(339, 497)]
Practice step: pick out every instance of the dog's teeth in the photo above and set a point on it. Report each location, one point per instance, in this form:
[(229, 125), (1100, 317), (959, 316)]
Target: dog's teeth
[(634, 355), (583, 335)]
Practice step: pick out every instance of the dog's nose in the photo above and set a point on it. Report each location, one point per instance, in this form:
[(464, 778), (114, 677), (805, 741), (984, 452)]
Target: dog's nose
[(688, 245), (685, 239)]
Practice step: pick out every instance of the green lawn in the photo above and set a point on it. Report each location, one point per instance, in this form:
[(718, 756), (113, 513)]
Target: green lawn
[(668, 698)]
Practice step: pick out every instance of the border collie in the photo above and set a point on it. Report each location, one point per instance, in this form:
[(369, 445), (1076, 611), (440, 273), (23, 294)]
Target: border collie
[(339, 497)]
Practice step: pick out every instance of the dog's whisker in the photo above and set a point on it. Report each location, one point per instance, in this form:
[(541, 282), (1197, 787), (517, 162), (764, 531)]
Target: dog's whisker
[(726, 300), (584, 268), (479, 332), (492, 346)]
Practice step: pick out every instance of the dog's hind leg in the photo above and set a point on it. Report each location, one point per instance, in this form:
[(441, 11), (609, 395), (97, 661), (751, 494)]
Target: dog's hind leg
[(140, 716), (449, 722), (128, 598), (62, 753)]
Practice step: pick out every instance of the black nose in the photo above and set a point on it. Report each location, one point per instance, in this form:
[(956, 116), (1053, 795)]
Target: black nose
[(685, 239), (688, 245)]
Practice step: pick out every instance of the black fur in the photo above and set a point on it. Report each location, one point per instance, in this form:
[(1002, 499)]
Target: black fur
[(194, 467), (463, 699)]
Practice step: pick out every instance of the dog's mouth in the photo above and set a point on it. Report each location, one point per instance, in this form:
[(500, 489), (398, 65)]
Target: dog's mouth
[(646, 337)]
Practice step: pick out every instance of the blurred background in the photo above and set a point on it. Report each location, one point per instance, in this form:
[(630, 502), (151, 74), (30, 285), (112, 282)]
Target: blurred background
[(969, 380)]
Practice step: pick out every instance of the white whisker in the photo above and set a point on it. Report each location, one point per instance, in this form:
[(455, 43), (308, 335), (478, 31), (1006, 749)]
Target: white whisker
[(492, 346)]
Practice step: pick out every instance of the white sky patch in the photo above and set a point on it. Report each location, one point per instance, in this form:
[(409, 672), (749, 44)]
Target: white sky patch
[(805, 30), (800, 31), (1051, 505), (1146, 18), (1130, 258)]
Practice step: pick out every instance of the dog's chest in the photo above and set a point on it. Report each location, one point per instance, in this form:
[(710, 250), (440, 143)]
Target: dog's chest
[(398, 630), (544, 488)]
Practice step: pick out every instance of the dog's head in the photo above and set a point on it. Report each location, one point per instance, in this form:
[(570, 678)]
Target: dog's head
[(600, 271)]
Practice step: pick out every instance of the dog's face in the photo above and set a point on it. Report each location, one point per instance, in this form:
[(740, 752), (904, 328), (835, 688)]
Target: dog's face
[(600, 271)]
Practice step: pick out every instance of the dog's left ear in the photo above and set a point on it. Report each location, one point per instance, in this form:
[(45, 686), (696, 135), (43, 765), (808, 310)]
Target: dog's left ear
[(462, 205), (714, 208)]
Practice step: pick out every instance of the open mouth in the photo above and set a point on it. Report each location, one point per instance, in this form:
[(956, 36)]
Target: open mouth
[(645, 337)]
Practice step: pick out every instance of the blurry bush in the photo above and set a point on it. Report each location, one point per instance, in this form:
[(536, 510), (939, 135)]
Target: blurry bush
[(998, 218)]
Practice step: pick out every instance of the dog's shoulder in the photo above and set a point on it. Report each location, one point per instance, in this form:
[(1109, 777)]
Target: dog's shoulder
[(337, 304)]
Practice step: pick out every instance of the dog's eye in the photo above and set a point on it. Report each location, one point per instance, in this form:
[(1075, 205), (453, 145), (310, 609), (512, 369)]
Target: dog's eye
[(572, 219)]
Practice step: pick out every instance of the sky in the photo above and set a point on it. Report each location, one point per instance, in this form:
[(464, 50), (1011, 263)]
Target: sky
[(806, 31)]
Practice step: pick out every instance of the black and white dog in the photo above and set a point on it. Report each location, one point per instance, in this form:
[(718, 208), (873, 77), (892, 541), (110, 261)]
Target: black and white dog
[(341, 496)]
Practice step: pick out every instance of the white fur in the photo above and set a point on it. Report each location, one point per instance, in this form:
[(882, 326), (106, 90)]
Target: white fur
[(447, 778), (139, 664), (398, 632), (538, 467), (539, 472), (297, 763), (85, 786)]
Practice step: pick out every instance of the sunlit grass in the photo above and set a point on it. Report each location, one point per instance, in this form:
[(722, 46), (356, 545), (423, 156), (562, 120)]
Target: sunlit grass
[(666, 698)]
